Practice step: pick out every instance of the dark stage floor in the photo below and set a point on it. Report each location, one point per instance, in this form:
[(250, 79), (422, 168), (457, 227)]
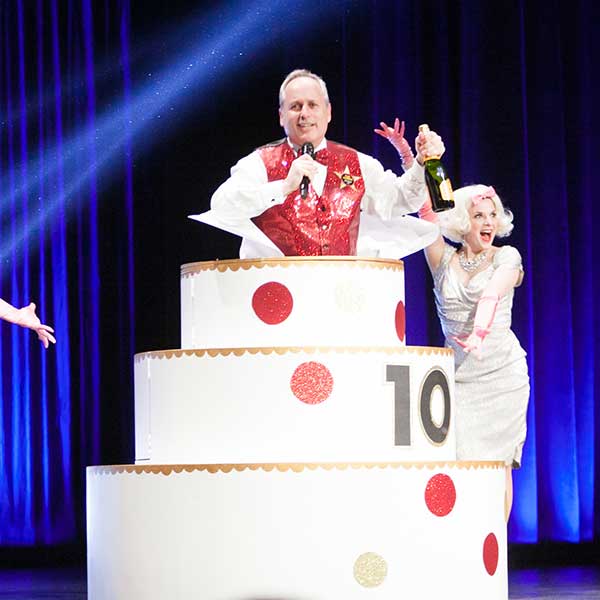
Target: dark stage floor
[(555, 583), (43, 584)]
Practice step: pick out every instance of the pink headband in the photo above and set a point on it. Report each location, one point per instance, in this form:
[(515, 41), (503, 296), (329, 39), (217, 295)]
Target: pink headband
[(488, 193)]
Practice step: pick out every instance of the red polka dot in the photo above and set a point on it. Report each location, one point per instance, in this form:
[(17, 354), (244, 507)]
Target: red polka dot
[(400, 321), (440, 495), (490, 554), (272, 302), (312, 383)]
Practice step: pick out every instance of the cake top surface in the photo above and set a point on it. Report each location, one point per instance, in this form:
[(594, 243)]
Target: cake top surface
[(288, 261)]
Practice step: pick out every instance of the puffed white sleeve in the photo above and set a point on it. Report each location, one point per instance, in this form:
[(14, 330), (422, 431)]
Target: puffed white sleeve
[(508, 257), (388, 195), (247, 192)]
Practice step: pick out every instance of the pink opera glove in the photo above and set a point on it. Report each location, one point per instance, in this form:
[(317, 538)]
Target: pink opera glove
[(395, 136), (426, 211), (26, 317), (484, 317)]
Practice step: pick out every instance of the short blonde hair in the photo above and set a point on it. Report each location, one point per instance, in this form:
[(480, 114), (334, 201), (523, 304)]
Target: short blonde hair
[(456, 223), (302, 73)]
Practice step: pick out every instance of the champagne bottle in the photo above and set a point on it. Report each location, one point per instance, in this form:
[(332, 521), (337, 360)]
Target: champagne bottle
[(437, 180)]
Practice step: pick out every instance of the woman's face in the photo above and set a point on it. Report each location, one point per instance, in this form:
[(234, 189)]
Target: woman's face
[(484, 224)]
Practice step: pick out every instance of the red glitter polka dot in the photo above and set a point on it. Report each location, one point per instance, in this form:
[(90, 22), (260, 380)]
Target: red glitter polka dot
[(272, 302), (400, 321), (490, 554), (440, 495), (312, 383)]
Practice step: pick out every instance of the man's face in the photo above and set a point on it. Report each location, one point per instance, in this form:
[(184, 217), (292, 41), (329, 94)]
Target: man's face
[(305, 113)]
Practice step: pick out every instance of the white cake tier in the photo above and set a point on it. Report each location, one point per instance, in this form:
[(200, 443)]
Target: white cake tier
[(294, 405), (297, 532), (295, 301)]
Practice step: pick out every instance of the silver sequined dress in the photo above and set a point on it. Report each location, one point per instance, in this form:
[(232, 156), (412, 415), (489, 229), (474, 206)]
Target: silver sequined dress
[(492, 392)]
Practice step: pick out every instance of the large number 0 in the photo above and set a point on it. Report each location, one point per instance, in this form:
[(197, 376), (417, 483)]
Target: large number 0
[(399, 375)]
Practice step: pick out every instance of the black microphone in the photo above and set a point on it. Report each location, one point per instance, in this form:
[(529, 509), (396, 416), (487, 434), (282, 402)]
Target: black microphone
[(307, 148)]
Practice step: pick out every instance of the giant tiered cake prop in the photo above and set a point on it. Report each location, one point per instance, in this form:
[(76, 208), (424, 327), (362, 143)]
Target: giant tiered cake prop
[(295, 448)]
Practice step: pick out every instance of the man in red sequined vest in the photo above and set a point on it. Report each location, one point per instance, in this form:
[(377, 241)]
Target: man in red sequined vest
[(350, 195)]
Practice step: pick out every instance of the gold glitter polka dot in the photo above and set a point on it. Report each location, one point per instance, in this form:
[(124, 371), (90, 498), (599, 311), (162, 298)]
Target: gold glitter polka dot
[(350, 297), (370, 569)]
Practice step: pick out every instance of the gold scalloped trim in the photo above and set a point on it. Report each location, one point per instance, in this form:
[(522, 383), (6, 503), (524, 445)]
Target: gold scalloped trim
[(281, 350), (294, 467), (298, 261)]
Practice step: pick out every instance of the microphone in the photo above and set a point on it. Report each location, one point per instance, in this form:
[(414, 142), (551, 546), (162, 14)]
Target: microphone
[(307, 148)]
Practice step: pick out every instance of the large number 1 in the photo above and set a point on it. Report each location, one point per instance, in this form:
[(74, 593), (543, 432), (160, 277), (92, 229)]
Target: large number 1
[(400, 376)]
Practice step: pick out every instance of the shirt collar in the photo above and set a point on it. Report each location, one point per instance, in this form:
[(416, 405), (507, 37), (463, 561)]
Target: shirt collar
[(295, 147)]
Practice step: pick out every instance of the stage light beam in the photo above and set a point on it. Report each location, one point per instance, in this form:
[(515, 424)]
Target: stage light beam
[(228, 40)]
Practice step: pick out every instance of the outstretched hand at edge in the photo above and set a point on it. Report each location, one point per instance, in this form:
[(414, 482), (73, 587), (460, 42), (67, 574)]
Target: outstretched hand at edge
[(26, 317)]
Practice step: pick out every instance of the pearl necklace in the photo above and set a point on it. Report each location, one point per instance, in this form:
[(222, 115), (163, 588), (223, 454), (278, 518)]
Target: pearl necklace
[(471, 265)]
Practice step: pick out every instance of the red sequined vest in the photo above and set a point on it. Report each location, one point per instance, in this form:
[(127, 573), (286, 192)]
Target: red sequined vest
[(318, 225)]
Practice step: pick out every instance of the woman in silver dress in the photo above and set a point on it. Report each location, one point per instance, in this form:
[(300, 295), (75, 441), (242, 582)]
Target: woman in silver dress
[(474, 288)]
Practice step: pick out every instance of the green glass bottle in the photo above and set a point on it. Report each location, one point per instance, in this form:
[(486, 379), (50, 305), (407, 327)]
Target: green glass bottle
[(437, 180)]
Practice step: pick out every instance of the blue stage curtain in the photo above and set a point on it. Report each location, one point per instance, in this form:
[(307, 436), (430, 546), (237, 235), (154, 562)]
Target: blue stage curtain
[(511, 87), (50, 405)]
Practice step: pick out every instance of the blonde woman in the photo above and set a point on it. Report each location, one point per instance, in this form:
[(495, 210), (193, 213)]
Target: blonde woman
[(474, 288)]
